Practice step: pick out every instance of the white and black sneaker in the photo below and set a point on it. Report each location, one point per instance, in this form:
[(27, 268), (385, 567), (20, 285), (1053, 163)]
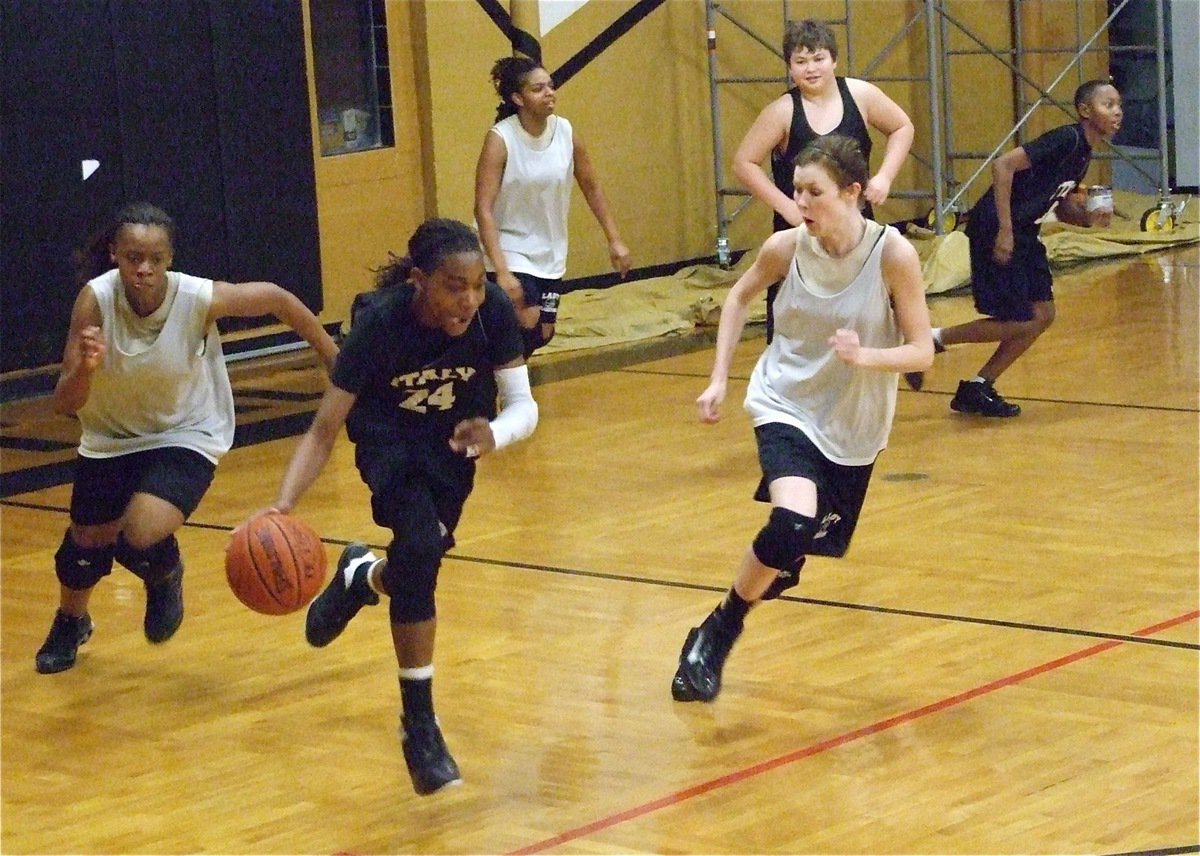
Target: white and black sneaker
[(345, 595)]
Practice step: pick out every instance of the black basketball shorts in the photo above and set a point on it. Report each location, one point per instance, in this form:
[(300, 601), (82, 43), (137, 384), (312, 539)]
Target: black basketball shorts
[(1008, 292), (413, 493), (541, 292), (104, 486), (841, 490)]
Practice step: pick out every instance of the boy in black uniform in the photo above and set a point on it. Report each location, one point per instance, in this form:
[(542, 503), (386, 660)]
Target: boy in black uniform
[(416, 384), (1010, 274)]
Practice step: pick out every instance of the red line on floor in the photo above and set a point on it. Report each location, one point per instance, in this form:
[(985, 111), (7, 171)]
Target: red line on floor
[(840, 740)]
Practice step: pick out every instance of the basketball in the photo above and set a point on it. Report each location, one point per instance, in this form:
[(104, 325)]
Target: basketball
[(275, 563)]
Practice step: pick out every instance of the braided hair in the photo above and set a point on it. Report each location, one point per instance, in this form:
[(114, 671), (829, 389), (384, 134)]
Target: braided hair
[(428, 247), (94, 257)]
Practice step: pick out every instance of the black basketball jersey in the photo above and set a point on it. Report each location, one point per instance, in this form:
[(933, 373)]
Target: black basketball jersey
[(414, 383), (1059, 160), (801, 134)]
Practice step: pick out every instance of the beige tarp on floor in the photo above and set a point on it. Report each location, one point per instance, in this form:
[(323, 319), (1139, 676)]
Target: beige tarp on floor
[(692, 297)]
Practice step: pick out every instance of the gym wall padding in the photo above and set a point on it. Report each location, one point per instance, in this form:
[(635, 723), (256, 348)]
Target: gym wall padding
[(198, 106)]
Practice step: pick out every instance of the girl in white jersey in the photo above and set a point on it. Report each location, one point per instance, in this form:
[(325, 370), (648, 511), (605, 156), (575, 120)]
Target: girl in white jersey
[(849, 316), (144, 373), (523, 192)]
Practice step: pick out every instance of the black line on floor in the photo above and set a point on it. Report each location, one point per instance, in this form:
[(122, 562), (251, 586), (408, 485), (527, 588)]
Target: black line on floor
[(60, 472), (885, 610), (275, 394), (1162, 408), (812, 601), (34, 444)]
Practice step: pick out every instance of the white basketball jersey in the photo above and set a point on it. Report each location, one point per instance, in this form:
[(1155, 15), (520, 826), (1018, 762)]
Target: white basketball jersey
[(535, 195), (163, 381), (847, 412)]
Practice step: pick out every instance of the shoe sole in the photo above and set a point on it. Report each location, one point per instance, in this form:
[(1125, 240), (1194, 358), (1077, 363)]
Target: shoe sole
[(970, 411), (426, 791)]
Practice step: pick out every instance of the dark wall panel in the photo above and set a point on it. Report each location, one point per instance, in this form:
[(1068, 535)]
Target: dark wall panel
[(200, 106), (57, 109), (167, 99), (263, 111)]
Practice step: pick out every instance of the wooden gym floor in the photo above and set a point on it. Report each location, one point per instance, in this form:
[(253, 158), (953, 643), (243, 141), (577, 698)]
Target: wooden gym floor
[(1005, 662)]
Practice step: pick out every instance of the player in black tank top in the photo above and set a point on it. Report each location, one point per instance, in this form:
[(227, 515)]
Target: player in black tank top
[(801, 134), (782, 129)]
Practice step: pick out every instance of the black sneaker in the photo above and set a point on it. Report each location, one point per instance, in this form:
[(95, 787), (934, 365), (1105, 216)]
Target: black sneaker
[(916, 380), (980, 397), (429, 762), (164, 607), (329, 614), (698, 677), (67, 633)]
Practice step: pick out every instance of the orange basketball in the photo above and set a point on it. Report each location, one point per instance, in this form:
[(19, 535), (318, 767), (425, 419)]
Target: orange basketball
[(275, 563)]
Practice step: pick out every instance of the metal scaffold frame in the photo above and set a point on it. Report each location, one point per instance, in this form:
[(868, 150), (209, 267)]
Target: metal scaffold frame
[(947, 193)]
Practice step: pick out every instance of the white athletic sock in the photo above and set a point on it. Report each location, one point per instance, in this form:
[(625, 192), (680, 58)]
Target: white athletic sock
[(978, 379), (937, 336), (421, 673), (352, 567), (374, 580)]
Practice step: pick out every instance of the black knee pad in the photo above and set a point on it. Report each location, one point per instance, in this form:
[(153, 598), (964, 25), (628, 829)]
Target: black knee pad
[(79, 568), (410, 580), (785, 540), (152, 564)]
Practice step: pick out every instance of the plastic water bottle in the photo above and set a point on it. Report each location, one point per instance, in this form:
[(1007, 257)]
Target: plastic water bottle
[(723, 252)]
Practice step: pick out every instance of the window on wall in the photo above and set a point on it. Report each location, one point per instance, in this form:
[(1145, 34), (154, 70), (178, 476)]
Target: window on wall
[(350, 68)]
